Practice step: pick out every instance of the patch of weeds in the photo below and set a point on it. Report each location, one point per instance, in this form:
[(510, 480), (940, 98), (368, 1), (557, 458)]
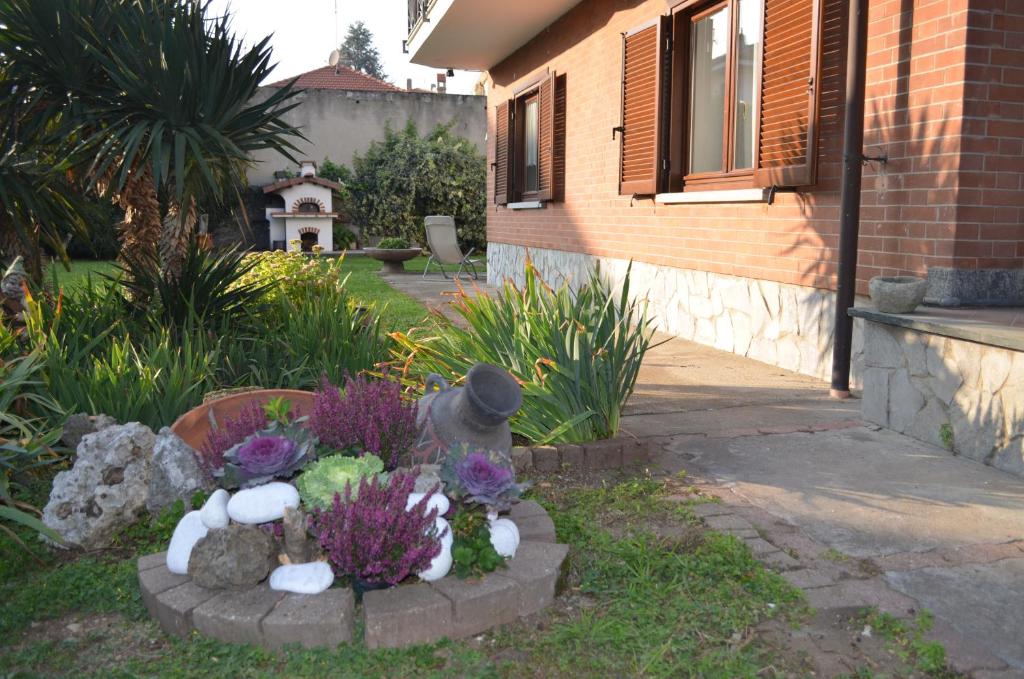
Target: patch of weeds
[(907, 642), (946, 435), (85, 586), (832, 554), (151, 534)]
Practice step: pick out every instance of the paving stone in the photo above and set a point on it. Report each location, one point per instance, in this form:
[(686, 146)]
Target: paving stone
[(708, 508), (727, 522), (539, 528), (760, 547), (234, 615), (536, 567), (522, 459), (741, 533), (779, 561), (156, 580), (174, 607), (410, 614), (312, 620), (870, 592), (545, 459), (152, 561), (600, 455), (480, 604), (526, 508), (571, 456), (808, 578), (963, 653)]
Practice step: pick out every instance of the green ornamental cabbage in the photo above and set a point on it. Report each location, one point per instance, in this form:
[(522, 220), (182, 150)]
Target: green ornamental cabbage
[(329, 475)]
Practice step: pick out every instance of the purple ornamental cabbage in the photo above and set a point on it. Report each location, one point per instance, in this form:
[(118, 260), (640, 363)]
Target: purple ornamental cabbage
[(482, 478), (275, 452)]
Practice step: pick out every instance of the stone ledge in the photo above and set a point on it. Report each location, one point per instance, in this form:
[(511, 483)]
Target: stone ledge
[(955, 323), (601, 455), (396, 617)]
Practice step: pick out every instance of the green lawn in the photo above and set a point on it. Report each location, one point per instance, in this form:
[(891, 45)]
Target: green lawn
[(637, 602)]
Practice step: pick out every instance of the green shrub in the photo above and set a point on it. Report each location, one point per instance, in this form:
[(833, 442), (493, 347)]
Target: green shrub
[(405, 177), (278, 273), (577, 355), (344, 239), (393, 243), (212, 288)]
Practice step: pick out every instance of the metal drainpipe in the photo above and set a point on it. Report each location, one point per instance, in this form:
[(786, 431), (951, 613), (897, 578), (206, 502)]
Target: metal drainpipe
[(849, 207)]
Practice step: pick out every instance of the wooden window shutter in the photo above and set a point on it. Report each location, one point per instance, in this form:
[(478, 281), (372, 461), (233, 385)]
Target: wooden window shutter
[(788, 119), (546, 138), (503, 156), (644, 74)]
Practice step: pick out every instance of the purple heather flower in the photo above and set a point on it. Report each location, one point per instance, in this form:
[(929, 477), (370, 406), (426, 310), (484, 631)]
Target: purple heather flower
[(482, 478), (234, 430), (266, 454)]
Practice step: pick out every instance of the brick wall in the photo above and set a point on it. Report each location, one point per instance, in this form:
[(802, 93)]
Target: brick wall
[(916, 207)]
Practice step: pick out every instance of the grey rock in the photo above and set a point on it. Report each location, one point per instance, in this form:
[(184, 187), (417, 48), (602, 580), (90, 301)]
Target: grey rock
[(905, 401), (897, 294), (428, 478), (176, 472), (231, 558), (106, 489), (875, 396), (80, 424), (881, 350)]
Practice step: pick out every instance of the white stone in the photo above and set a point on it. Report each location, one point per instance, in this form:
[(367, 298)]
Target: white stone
[(442, 563), (723, 333), (302, 578), (214, 513), (445, 531), (742, 334), (187, 533), (262, 504), (505, 537), (437, 500), (905, 401)]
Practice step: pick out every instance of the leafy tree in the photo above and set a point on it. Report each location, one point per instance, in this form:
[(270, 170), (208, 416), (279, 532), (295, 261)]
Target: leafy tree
[(358, 52), (157, 99), (405, 177)]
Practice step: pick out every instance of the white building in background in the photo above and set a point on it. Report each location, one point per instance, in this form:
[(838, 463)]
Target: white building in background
[(302, 209)]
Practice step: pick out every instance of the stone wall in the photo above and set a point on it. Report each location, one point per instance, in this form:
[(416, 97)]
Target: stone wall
[(961, 395), (790, 326)]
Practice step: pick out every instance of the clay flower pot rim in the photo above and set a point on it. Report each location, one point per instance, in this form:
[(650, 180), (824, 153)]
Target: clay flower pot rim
[(194, 425)]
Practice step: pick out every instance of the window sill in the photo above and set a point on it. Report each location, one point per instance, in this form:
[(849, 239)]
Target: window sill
[(526, 205), (724, 196)]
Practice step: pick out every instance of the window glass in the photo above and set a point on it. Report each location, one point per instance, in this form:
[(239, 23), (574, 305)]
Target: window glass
[(748, 65), (709, 41), (531, 150)]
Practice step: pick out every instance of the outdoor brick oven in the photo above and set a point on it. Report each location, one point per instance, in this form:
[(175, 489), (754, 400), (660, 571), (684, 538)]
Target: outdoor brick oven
[(301, 209)]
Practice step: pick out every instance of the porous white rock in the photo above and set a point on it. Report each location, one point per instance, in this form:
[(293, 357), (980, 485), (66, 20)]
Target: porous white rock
[(505, 537), (302, 578), (262, 504), (442, 563), (437, 500), (106, 489), (187, 533), (215, 512)]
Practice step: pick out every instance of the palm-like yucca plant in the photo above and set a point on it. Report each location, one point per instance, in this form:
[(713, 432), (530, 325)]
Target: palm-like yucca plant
[(576, 354), (163, 104)]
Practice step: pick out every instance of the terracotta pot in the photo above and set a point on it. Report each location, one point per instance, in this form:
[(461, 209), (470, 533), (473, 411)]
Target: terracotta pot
[(195, 425)]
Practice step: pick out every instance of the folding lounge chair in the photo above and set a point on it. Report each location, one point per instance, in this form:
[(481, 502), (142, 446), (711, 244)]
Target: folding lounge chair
[(444, 247)]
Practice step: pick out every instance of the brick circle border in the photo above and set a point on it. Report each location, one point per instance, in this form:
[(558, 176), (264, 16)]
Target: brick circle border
[(395, 617)]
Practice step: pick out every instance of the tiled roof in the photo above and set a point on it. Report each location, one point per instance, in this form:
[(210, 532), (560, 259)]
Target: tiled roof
[(338, 78), (295, 181)]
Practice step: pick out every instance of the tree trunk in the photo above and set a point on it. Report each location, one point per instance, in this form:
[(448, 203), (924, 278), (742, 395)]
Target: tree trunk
[(178, 228), (140, 230)]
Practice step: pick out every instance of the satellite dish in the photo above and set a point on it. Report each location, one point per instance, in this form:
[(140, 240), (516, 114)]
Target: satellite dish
[(334, 58)]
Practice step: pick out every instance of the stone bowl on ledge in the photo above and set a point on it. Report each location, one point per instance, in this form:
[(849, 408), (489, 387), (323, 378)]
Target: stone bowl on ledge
[(393, 257), (897, 294)]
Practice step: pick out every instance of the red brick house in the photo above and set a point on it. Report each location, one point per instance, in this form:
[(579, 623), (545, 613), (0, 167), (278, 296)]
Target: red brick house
[(702, 139)]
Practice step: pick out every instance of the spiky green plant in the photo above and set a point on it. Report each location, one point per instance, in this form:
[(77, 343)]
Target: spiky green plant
[(576, 354)]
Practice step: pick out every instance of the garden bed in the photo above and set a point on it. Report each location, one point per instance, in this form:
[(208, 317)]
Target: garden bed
[(396, 617)]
